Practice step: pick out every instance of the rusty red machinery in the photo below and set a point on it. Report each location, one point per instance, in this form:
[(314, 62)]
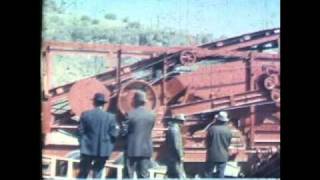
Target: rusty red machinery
[(236, 74)]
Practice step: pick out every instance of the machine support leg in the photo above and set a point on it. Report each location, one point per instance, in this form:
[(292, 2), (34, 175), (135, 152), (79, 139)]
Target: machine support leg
[(119, 70), (252, 124), (164, 99)]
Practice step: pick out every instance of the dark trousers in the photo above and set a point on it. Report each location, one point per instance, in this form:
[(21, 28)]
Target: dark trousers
[(140, 165), (221, 166), (97, 167), (176, 169)]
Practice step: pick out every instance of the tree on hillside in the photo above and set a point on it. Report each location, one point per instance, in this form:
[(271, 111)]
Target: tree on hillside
[(95, 21), (110, 16), (85, 18), (125, 20), (51, 6), (134, 25), (59, 6), (61, 25), (221, 38), (143, 39), (206, 38)]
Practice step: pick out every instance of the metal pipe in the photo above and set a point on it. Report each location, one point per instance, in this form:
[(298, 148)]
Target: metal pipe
[(119, 69)]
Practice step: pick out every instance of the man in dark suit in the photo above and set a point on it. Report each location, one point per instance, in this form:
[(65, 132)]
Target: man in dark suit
[(139, 143), (98, 130), (218, 142), (175, 147)]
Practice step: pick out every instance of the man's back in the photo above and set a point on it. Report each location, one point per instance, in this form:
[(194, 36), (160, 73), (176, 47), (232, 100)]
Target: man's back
[(141, 122), (174, 141), (219, 139), (97, 130)]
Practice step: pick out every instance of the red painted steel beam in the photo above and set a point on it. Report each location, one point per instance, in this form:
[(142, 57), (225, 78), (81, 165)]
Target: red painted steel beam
[(102, 53), (268, 128), (46, 116), (241, 38), (204, 53), (102, 48), (91, 47), (83, 47), (259, 56), (210, 105), (140, 50), (252, 124), (127, 74), (47, 68), (249, 43)]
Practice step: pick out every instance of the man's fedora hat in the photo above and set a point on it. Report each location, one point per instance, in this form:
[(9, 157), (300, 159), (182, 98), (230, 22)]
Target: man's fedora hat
[(140, 96), (180, 117), (222, 116), (99, 97)]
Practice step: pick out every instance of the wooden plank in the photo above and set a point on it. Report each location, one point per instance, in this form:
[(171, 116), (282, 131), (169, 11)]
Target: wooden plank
[(53, 167), (104, 173), (70, 169), (104, 48), (64, 127), (119, 173)]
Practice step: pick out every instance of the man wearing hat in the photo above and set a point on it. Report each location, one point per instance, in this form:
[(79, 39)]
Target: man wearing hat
[(218, 142), (97, 133), (139, 143), (175, 147)]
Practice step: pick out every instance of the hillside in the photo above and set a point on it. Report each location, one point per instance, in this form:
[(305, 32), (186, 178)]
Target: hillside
[(59, 24)]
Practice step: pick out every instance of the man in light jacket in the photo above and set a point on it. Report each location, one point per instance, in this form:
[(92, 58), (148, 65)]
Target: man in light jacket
[(218, 142)]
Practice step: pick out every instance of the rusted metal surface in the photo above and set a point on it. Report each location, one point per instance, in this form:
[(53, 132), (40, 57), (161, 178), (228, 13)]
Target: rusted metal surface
[(48, 73), (275, 95), (103, 48), (242, 38), (187, 57), (81, 93), (126, 71), (271, 82), (119, 69), (266, 165), (243, 82), (46, 117), (125, 103), (216, 104), (216, 80)]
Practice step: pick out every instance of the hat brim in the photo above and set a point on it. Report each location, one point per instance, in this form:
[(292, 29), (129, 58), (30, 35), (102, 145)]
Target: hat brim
[(102, 101), (223, 119), (139, 100), (179, 118)]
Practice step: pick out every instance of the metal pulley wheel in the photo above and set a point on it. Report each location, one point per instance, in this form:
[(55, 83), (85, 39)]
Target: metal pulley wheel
[(271, 70), (125, 99), (275, 95), (271, 81), (82, 92), (187, 57)]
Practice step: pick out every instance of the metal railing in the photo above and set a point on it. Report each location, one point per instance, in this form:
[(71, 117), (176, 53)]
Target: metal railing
[(70, 170)]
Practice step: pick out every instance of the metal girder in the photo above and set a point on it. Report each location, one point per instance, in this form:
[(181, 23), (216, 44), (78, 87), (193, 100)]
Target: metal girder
[(249, 43), (210, 105), (107, 48), (162, 58), (242, 38)]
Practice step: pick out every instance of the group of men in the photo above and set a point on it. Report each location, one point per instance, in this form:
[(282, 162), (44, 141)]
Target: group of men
[(99, 129), (218, 141)]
